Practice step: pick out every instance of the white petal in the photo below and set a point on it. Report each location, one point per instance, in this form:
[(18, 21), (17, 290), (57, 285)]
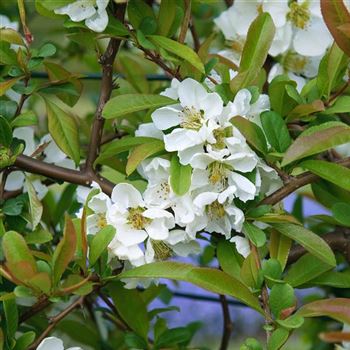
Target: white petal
[(243, 15), (172, 91), (78, 10), (51, 152), (242, 161), (187, 154), (99, 203), (40, 189), (166, 117), (242, 245), (149, 130), (98, 22), (278, 11), (225, 24), (245, 188), (242, 102), (129, 236), (176, 236), (282, 40), (236, 217), (202, 160), (212, 105), (191, 93), (313, 40), (205, 199), (51, 343), (180, 139), (156, 213), (126, 196), (185, 249), (158, 230)]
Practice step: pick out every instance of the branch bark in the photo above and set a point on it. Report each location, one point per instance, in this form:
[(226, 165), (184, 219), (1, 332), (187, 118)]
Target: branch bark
[(297, 182), (227, 324)]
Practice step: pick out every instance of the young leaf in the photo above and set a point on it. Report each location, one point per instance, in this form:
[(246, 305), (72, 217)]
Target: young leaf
[(276, 131), (341, 212), (277, 339), (254, 234), (64, 251), (35, 206), (305, 269), (11, 36), (336, 14), (279, 247), (139, 153), (129, 103), (178, 49), (257, 45), (63, 130), (100, 242), (309, 240), (23, 342), (6, 85), (252, 132), (341, 105), (180, 176), (332, 172), (337, 308), (211, 279), (308, 144), (17, 254), (304, 110), (133, 313)]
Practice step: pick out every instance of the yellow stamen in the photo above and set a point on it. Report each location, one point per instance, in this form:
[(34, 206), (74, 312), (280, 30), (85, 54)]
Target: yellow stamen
[(191, 118), (216, 210), (299, 14), (161, 250), (136, 219)]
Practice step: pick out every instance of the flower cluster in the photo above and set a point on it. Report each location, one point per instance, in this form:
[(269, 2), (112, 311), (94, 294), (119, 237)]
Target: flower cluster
[(226, 173), (301, 38)]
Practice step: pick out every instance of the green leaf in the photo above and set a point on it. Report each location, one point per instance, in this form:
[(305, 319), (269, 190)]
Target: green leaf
[(211, 279), (281, 297), (254, 234), (11, 36), (166, 16), (180, 176), (332, 279), (305, 269), (133, 313), (341, 213), (292, 322), (47, 50), (173, 337), (304, 110), (341, 105), (336, 14), (277, 339), (137, 11), (100, 242), (331, 172), (18, 255), (283, 95), (63, 130), (64, 252), (256, 47), (178, 49), (252, 132), (23, 342), (6, 85), (5, 132), (25, 119), (134, 341), (35, 206), (309, 240), (11, 316), (130, 103), (38, 236), (279, 247), (276, 131), (115, 147), (308, 144), (337, 308), (230, 260), (139, 153)]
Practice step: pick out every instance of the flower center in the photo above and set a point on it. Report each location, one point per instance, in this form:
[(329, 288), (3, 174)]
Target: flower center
[(191, 118), (136, 219), (216, 210), (217, 173), (299, 14), (101, 221), (220, 134), (161, 250), (294, 62)]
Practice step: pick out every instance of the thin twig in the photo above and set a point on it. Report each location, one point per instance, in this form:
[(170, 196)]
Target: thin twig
[(195, 36), (185, 22), (56, 319), (227, 323)]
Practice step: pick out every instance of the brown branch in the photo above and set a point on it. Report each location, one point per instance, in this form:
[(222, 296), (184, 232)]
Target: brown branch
[(106, 60), (227, 324), (297, 182), (195, 37), (56, 319), (36, 308), (337, 94), (185, 22)]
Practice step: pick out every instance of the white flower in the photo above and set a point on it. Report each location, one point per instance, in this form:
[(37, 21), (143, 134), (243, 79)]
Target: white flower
[(159, 192), (343, 150), (5, 22), (92, 11), (242, 245), (135, 222), (53, 343), (267, 180), (149, 130), (218, 213), (193, 119)]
